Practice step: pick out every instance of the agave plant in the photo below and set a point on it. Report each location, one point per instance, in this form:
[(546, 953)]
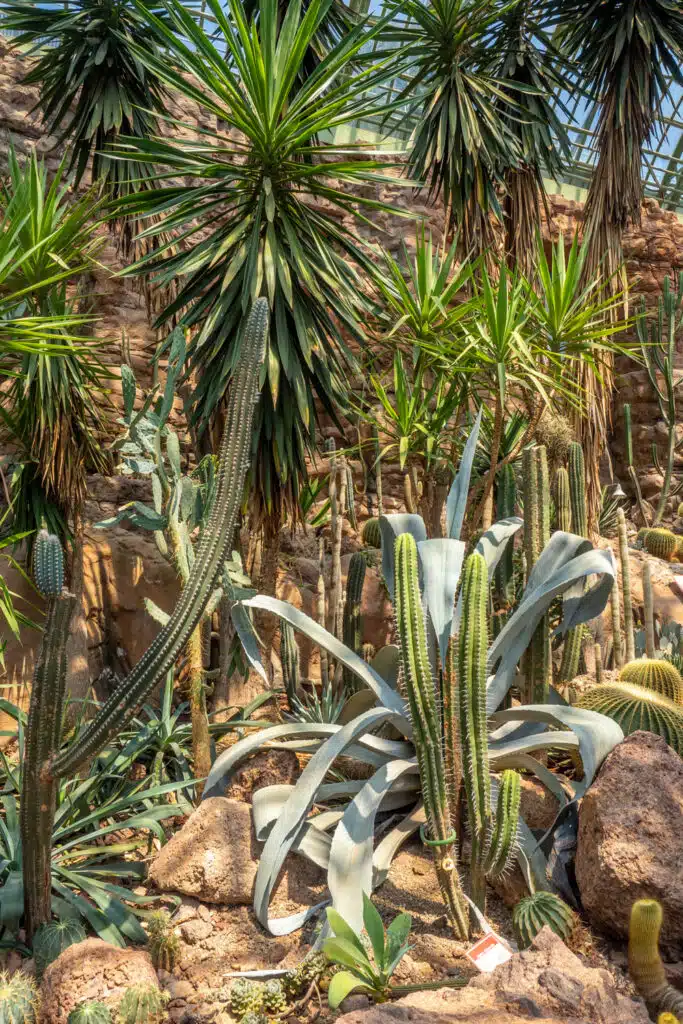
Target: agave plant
[(283, 820), (273, 156)]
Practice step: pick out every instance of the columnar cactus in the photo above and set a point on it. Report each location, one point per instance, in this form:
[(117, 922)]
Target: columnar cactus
[(534, 912), (18, 999), (633, 708), (655, 674), (43, 763), (506, 501), (563, 509), (615, 610), (52, 939), (48, 564), (142, 1004), (352, 627), (648, 611), (571, 651), (163, 943), (494, 838), (625, 559), (644, 962), (289, 660), (536, 535), (660, 543), (428, 737)]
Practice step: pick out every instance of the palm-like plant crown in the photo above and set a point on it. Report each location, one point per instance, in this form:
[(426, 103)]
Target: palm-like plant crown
[(269, 188)]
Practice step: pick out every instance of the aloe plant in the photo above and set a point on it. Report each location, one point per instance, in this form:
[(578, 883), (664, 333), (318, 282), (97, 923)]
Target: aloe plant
[(344, 846), (45, 763)]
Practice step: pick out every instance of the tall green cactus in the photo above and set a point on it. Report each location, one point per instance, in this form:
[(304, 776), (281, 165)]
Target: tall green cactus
[(625, 559), (428, 735), (43, 763), (352, 624), (571, 651), (289, 660), (648, 610), (644, 962), (493, 839), (506, 501), (563, 509), (538, 663)]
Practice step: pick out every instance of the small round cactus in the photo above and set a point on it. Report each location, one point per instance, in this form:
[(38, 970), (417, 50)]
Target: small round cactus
[(18, 999), (90, 1013), (534, 912), (142, 1004), (163, 943), (53, 938), (48, 564), (633, 708), (245, 997), (660, 544), (254, 1018), (653, 674), (372, 535), (273, 996)]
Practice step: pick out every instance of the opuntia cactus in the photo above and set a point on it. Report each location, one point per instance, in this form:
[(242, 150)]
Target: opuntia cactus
[(538, 910), (52, 939), (644, 962), (142, 1004), (655, 674), (18, 999)]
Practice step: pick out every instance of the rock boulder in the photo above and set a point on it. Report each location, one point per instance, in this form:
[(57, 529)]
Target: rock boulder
[(630, 843)]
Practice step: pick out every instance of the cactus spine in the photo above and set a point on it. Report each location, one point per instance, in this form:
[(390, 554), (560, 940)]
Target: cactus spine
[(563, 510), (494, 839), (660, 676), (353, 620), (289, 660), (536, 536), (648, 611), (534, 912), (43, 765), (18, 999), (506, 501), (630, 645), (571, 651), (420, 691), (644, 962), (142, 1004), (633, 707)]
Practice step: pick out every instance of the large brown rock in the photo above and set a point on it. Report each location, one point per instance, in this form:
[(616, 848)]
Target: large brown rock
[(91, 970), (630, 843), (547, 984), (213, 857)]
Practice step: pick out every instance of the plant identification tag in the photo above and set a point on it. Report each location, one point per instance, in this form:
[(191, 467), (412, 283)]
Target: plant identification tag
[(489, 952)]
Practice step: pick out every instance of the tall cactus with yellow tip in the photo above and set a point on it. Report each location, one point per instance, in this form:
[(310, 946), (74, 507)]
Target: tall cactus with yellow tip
[(536, 535), (494, 837), (44, 764), (571, 651), (644, 962), (420, 690)]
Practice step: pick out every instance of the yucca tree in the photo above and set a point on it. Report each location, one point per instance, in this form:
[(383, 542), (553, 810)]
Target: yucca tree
[(337, 22), (461, 144), (531, 69), (626, 51), (268, 190), (53, 405), (93, 86)]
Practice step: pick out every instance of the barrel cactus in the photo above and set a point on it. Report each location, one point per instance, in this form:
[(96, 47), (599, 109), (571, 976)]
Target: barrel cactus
[(163, 942), (660, 543), (90, 1013), (534, 912), (18, 999), (372, 535), (633, 708), (660, 676), (142, 1004), (52, 939), (48, 564), (245, 997), (644, 962)]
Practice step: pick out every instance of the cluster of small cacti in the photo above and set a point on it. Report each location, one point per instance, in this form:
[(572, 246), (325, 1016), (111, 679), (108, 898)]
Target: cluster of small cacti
[(253, 999), (163, 943), (90, 1013), (142, 1004), (311, 968), (660, 543), (534, 912), (654, 674), (644, 962), (18, 999), (634, 707), (52, 939)]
